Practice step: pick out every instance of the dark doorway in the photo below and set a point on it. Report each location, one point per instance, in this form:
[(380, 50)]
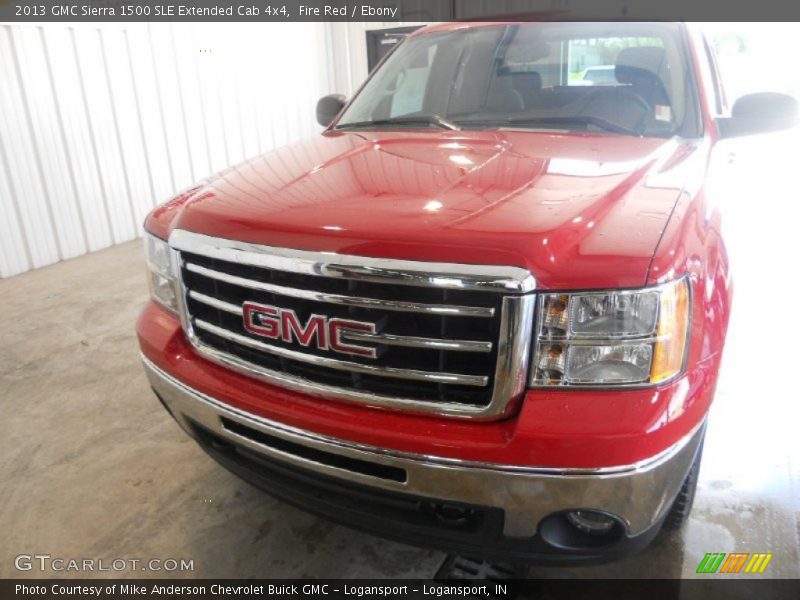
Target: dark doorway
[(381, 41)]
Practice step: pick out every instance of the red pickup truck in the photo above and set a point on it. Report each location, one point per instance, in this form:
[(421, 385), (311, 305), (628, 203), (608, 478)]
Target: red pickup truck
[(483, 310)]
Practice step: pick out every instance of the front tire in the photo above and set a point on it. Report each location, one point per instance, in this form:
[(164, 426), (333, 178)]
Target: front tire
[(682, 505)]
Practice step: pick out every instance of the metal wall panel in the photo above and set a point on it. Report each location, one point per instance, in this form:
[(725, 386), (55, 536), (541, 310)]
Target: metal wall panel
[(98, 124), (23, 164)]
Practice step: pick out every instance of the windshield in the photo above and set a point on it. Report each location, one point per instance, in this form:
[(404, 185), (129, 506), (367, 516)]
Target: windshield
[(625, 78)]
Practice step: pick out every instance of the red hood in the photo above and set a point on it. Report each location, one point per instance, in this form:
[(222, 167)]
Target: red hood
[(577, 210)]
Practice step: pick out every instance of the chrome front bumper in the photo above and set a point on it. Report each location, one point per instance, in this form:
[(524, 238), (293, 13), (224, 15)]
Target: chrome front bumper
[(640, 494)]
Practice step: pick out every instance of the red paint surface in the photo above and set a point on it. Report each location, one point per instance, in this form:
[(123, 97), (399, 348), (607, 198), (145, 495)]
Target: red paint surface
[(577, 210)]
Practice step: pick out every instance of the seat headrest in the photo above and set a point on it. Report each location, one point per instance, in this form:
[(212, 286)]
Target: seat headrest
[(639, 63), (526, 81)]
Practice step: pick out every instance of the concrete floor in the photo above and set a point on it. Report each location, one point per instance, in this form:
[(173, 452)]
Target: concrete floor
[(92, 467)]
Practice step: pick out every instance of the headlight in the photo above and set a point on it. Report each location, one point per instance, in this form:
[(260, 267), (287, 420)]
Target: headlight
[(611, 338), (162, 281)]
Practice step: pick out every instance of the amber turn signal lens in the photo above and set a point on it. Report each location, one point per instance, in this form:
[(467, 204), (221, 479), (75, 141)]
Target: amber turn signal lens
[(673, 329)]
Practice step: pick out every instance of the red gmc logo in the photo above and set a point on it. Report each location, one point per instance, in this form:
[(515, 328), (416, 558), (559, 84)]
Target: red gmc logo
[(319, 331)]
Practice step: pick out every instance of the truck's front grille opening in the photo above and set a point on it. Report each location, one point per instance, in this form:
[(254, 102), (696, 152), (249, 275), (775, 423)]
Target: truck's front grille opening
[(321, 457), (433, 345)]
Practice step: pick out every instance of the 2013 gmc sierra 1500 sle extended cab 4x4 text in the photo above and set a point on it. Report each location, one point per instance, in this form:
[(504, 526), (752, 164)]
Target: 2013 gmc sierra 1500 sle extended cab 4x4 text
[(484, 310)]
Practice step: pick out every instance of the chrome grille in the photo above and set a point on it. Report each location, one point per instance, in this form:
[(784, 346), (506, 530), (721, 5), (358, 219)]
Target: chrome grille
[(449, 339)]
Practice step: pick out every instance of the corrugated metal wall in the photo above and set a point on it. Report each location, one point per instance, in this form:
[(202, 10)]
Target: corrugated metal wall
[(100, 124)]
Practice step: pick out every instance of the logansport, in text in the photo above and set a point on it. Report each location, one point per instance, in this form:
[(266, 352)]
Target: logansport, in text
[(181, 589)]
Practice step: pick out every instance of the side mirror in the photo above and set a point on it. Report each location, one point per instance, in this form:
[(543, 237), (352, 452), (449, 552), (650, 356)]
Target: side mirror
[(760, 113), (328, 107)]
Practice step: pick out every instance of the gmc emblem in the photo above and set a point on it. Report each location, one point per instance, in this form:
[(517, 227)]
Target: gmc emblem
[(319, 331)]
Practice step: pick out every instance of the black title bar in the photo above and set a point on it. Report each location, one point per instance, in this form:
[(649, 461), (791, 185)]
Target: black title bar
[(394, 10), (707, 588)]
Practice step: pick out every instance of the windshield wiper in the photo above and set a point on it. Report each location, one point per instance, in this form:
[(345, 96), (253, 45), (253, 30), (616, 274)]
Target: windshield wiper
[(598, 122), (435, 120)]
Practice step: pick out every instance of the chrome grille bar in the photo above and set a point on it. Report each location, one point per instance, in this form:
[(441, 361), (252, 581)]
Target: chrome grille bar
[(408, 341), (379, 338), (509, 280), (234, 309), (415, 307), (331, 363)]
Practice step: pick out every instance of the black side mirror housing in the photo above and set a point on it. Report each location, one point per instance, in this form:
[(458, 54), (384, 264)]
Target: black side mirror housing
[(763, 112), (328, 107)]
